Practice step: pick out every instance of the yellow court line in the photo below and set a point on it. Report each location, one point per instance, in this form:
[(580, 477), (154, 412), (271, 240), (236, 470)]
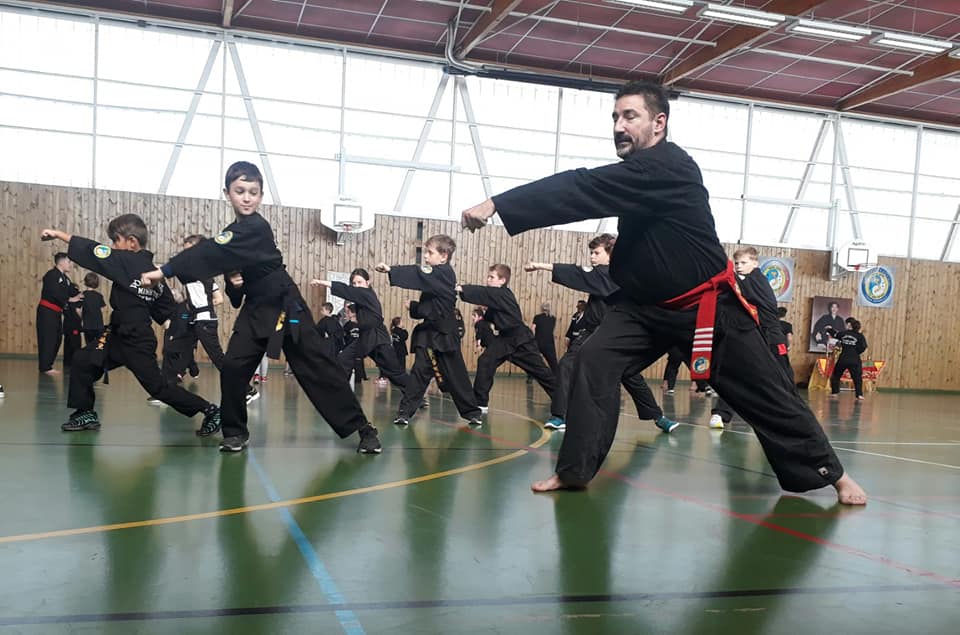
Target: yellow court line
[(153, 522)]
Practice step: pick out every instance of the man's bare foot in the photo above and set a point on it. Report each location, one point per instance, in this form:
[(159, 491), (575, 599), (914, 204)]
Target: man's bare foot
[(52, 371), (551, 484), (848, 492)]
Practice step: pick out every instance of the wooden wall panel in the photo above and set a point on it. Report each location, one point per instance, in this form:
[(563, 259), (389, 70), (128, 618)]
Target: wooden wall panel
[(919, 337)]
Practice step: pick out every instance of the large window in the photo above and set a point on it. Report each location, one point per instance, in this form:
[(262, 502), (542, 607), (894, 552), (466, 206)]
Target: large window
[(101, 102)]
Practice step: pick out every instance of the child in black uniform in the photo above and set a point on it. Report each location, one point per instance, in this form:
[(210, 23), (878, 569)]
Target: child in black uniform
[(91, 318), (514, 341), (56, 291), (274, 317), (347, 356), (483, 330), (595, 281), (435, 344), (178, 341), (374, 341), (852, 344), (756, 289), (129, 341), (399, 337), (328, 327)]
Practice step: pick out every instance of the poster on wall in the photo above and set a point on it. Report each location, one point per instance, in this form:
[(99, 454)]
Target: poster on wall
[(876, 287), (827, 314), (779, 273)]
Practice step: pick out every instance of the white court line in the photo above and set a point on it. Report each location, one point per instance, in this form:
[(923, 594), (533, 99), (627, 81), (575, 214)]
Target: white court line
[(877, 454), (900, 458), (947, 443)]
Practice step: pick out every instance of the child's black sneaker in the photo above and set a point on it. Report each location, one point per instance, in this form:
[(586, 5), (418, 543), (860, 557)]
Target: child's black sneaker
[(211, 421), (81, 420), (369, 441)]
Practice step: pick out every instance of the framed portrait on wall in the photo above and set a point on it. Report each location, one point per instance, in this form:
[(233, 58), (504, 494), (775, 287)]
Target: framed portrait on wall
[(827, 314)]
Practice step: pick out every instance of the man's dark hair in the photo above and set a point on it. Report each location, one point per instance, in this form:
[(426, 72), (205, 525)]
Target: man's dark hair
[(59, 257), (782, 312), (244, 169), (128, 226), (395, 321), (91, 280), (833, 304), (603, 240), (360, 272), (581, 303), (328, 306), (193, 239), (654, 95)]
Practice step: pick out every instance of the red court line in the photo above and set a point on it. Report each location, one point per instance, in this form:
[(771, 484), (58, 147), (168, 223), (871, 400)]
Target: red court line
[(750, 518)]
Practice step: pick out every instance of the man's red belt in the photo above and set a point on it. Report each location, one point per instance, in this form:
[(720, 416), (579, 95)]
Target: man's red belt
[(704, 297), (51, 306)]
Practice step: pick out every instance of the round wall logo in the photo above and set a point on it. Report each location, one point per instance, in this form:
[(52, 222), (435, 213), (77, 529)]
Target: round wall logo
[(701, 365), (778, 275), (876, 285), (101, 251), (223, 237)]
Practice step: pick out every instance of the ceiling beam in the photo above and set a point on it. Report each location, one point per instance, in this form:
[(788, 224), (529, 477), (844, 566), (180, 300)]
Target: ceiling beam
[(227, 12), (500, 10), (931, 70), (735, 38)]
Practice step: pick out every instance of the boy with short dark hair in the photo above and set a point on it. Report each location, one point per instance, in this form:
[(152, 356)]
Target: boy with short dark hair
[(129, 341), (273, 317), (514, 341), (435, 343)]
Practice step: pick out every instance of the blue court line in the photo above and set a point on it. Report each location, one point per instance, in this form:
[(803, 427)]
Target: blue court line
[(348, 620)]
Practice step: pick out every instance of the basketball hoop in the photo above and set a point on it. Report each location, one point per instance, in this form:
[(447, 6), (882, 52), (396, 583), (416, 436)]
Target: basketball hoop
[(343, 230), (856, 256)]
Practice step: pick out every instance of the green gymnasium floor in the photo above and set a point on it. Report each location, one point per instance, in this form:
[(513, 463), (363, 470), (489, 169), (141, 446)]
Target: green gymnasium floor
[(143, 528)]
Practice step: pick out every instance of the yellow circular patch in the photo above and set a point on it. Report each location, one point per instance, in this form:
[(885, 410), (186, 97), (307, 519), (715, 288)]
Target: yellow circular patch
[(223, 237), (102, 251), (426, 269)]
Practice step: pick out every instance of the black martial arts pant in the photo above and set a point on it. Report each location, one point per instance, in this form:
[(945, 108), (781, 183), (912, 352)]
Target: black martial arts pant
[(315, 369), (72, 340), (177, 359), (637, 388), (548, 349), (386, 360), (523, 353), (133, 346), (206, 333), (856, 374), (49, 332), (743, 372), (451, 373), (723, 409), (400, 351)]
